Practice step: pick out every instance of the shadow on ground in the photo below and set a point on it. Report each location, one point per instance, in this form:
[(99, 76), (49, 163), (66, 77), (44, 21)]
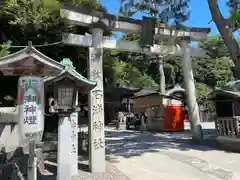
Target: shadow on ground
[(132, 143), (51, 165)]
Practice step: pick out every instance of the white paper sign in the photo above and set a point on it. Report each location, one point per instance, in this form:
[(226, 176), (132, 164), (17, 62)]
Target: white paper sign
[(31, 107)]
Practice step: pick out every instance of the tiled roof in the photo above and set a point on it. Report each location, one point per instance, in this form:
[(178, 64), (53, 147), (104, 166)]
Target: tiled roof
[(230, 90)]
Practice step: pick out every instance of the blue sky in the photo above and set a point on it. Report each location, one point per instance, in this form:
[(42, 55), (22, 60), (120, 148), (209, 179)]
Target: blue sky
[(200, 14)]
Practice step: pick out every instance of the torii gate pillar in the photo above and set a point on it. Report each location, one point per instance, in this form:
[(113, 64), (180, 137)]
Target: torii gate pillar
[(193, 109), (96, 102)]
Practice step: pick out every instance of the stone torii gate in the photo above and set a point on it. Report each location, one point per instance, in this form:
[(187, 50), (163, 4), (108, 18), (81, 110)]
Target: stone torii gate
[(99, 22)]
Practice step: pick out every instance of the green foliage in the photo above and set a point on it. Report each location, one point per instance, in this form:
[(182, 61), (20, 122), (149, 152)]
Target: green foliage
[(235, 13), (202, 91), (125, 71), (166, 10), (32, 15), (149, 64), (39, 21), (4, 51), (215, 70), (214, 46), (130, 75)]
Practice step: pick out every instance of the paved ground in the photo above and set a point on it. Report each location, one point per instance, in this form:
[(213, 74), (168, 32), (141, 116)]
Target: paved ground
[(112, 173), (162, 156), (168, 156)]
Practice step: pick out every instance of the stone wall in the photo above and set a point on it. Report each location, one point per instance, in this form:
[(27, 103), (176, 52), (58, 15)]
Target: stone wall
[(9, 135)]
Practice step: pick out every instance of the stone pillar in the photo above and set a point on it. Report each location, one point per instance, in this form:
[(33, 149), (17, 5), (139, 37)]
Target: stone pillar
[(74, 138), (122, 121), (64, 149), (96, 103), (162, 83), (193, 109)]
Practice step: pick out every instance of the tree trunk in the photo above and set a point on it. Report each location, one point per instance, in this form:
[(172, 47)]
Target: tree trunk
[(225, 32)]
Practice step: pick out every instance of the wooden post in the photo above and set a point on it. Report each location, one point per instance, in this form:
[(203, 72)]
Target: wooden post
[(193, 109), (96, 104), (32, 162)]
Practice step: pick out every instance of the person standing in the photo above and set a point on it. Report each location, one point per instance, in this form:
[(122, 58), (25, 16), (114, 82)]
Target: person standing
[(143, 120)]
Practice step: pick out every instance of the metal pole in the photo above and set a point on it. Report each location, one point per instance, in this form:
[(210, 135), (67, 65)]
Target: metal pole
[(32, 162)]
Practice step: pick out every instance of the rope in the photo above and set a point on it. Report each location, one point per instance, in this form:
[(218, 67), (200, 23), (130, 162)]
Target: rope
[(40, 45)]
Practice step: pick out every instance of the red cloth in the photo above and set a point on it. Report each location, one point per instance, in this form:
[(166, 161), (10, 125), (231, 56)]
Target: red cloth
[(173, 118)]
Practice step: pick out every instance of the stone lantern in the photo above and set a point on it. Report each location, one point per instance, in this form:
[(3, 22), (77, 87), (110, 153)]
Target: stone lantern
[(66, 86), (31, 65)]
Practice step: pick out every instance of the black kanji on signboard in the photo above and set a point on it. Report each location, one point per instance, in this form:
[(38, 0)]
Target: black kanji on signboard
[(30, 109), (30, 120)]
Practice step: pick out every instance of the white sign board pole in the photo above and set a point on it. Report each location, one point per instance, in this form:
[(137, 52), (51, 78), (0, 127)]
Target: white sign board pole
[(31, 117), (31, 108)]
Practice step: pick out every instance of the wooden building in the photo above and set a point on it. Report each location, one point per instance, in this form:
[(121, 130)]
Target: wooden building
[(113, 95), (227, 102), (163, 112)]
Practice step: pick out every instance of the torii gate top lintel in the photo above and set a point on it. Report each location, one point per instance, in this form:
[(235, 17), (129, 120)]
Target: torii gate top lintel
[(85, 16)]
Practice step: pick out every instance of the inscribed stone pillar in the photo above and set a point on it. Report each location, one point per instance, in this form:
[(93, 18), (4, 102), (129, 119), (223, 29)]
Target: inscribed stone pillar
[(193, 109), (64, 149), (96, 104), (74, 138)]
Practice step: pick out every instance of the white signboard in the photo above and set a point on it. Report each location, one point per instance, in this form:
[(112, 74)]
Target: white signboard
[(31, 108)]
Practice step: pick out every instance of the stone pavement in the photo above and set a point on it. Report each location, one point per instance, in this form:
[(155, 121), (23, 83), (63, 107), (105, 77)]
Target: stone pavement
[(112, 173), (162, 156), (168, 156)]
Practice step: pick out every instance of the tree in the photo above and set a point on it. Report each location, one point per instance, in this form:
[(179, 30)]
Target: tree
[(40, 22), (127, 70), (217, 67), (235, 14), (148, 64), (226, 27), (177, 11), (166, 10)]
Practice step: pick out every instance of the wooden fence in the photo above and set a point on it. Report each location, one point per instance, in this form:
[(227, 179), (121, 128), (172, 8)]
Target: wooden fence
[(228, 126)]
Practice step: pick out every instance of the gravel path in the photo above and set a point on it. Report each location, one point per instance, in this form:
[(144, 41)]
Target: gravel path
[(112, 173)]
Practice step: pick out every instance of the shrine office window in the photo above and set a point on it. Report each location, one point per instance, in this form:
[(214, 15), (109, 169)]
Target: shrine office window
[(236, 108), (224, 109)]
